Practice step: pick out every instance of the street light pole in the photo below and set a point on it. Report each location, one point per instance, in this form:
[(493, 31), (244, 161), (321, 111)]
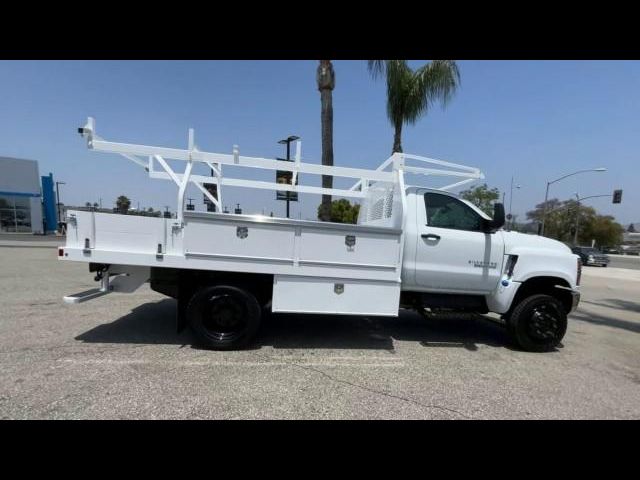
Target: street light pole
[(546, 195), (511, 202), (58, 198), (288, 141), (575, 231)]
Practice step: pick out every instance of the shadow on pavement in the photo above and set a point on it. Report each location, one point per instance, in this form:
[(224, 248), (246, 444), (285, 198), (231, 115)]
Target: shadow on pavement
[(607, 321), (616, 303), (150, 323), (154, 323)]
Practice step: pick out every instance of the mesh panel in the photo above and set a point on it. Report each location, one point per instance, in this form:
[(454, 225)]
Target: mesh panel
[(380, 203)]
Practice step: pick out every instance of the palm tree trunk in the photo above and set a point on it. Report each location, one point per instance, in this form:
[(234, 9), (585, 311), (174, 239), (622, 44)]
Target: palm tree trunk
[(326, 99), (326, 82), (397, 138)]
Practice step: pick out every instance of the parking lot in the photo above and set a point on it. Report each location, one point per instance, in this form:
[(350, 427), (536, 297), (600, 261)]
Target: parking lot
[(119, 357)]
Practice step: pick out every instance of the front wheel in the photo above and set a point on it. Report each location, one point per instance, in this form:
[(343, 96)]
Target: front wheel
[(224, 317), (538, 323)]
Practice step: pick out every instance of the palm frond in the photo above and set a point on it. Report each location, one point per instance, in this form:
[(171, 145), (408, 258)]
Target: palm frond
[(435, 82), (376, 67), (411, 93)]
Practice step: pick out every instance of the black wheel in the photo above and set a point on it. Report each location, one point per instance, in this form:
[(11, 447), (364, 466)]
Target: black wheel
[(223, 317), (538, 323)]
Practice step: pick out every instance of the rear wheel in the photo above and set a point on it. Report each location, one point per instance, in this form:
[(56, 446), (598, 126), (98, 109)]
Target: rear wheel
[(538, 323), (224, 317)]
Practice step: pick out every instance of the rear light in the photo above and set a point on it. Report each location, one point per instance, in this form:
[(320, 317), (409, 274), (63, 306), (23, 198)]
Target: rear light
[(61, 252), (579, 261)]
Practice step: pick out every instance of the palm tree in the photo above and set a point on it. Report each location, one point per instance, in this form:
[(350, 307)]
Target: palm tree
[(326, 82), (123, 204), (410, 93)]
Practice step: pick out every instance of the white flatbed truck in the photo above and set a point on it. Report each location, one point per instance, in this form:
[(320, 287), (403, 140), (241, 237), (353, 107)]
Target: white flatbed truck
[(413, 247)]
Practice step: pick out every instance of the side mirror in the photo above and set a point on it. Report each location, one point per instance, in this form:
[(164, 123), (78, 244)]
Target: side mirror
[(498, 219)]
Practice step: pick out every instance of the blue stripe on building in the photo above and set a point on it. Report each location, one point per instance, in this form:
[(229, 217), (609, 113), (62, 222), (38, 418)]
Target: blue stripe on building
[(21, 194), (49, 203)]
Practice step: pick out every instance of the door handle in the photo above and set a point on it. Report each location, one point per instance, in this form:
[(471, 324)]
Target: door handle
[(431, 236)]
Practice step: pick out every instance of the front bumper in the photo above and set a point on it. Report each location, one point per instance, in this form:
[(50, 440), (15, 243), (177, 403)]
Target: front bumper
[(575, 297), (575, 300)]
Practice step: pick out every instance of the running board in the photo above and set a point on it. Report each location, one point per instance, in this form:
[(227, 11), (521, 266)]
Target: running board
[(85, 296)]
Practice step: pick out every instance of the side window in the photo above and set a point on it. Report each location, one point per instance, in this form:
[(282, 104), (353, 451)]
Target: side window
[(444, 211)]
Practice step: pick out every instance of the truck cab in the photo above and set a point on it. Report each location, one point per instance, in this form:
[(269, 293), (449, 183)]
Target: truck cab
[(456, 257)]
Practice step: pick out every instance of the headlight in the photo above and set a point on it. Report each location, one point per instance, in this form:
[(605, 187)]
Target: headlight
[(590, 258)]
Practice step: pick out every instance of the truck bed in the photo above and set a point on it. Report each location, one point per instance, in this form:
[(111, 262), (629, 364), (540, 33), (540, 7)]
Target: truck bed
[(349, 268)]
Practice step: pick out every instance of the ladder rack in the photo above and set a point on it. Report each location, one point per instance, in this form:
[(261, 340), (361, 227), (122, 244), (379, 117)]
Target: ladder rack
[(158, 155)]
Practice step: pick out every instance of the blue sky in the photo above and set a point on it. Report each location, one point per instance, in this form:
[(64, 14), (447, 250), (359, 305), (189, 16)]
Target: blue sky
[(535, 120)]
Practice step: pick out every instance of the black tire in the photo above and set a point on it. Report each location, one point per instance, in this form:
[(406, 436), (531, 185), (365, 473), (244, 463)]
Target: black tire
[(538, 323), (223, 317)]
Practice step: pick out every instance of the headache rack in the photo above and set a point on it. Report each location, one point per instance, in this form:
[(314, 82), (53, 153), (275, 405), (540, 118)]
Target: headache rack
[(381, 189)]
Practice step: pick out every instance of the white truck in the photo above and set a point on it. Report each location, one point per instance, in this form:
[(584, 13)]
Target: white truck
[(413, 247)]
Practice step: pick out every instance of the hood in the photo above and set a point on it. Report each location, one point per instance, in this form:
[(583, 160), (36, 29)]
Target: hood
[(514, 240)]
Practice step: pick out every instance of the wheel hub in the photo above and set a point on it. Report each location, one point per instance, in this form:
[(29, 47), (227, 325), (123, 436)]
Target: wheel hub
[(224, 316), (544, 324)]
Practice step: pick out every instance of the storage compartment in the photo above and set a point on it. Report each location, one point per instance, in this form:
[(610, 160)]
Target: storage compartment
[(329, 247), (238, 240), (335, 296)]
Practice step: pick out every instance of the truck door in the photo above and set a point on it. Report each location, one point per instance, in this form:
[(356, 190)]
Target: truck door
[(453, 253)]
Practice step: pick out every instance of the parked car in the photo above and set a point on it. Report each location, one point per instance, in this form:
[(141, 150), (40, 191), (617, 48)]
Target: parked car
[(591, 256)]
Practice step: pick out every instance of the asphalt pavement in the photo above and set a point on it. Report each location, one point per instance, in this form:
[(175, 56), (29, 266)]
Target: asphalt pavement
[(119, 357)]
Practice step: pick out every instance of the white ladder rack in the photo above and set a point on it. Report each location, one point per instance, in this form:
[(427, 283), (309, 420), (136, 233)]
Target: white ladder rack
[(215, 161)]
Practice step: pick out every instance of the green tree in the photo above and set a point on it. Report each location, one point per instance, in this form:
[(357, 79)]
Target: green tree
[(87, 204), (632, 228), (603, 229), (410, 93), (482, 197), (561, 219), (123, 204), (326, 79), (342, 211)]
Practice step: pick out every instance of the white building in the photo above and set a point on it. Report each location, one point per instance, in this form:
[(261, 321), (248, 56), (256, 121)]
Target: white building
[(20, 196)]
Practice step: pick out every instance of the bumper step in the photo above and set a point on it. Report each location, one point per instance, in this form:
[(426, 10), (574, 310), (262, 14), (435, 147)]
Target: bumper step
[(85, 296)]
